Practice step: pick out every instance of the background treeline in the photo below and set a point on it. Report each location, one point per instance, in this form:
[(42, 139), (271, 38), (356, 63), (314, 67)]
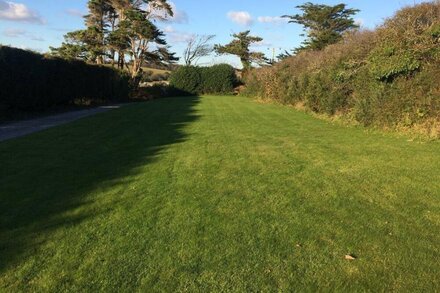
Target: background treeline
[(389, 77), (31, 81)]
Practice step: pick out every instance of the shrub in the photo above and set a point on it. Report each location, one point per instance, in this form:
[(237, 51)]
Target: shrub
[(147, 76), (387, 63), (150, 76), (30, 81), (156, 91), (217, 79), (388, 77), (187, 79)]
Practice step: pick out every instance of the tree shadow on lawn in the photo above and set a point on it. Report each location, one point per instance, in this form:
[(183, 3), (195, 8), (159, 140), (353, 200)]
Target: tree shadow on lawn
[(44, 178)]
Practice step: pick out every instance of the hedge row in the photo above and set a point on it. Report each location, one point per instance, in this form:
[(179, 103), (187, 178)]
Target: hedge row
[(30, 81), (386, 78), (217, 79)]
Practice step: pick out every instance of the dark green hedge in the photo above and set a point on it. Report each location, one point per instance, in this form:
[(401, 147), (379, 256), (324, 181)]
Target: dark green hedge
[(30, 81), (217, 79), (187, 79)]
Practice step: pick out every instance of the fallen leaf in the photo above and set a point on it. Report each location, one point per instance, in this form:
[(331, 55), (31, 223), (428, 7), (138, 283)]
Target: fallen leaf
[(350, 257)]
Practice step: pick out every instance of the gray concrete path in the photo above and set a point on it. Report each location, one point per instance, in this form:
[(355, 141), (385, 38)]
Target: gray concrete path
[(25, 127)]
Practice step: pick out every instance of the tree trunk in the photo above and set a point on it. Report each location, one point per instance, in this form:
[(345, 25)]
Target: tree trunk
[(135, 68), (112, 54), (246, 64), (120, 60)]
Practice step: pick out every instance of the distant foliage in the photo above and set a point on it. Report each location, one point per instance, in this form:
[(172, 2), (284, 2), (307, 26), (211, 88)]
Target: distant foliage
[(388, 77), (188, 79), (30, 81), (150, 76), (217, 79)]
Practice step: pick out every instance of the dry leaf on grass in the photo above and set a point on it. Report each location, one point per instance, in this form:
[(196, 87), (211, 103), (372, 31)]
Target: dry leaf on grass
[(350, 257)]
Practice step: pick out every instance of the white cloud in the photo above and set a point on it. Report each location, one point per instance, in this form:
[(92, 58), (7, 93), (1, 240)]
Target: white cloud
[(75, 12), (272, 19), (169, 29), (180, 37), (18, 12), (19, 33), (240, 17), (36, 38), (262, 43), (14, 33), (175, 36)]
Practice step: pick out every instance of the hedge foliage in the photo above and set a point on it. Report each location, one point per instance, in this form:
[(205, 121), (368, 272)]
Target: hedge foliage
[(387, 78), (187, 79), (30, 81), (217, 79)]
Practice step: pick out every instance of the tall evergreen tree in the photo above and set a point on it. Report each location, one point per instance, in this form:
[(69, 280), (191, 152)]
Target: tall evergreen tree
[(324, 24), (122, 29), (73, 47), (142, 34), (97, 25)]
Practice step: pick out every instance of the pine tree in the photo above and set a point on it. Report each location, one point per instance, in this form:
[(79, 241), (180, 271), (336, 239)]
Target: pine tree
[(122, 29), (97, 28), (324, 25), (240, 47)]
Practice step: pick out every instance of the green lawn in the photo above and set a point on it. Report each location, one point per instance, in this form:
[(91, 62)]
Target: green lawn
[(217, 194)]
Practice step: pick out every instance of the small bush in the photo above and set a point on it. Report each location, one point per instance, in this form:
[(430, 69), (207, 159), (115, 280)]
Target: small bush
[(157, 91), (150, 76), (147, 76)]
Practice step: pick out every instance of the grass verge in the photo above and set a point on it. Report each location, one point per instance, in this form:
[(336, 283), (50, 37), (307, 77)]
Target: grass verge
[(217, 193)]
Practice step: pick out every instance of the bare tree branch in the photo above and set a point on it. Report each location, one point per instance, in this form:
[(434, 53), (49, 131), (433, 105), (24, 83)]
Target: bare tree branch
[(197, 47)]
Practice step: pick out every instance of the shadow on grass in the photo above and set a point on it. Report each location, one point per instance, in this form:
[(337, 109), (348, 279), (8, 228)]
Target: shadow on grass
[(46, 177)]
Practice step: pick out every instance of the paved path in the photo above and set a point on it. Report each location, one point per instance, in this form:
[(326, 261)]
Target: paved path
[(22, 128)]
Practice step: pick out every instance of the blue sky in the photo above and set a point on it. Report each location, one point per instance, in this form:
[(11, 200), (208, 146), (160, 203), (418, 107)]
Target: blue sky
[(38, 24)]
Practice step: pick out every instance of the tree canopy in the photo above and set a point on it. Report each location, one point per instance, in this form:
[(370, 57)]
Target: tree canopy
[(240, 46), (120, 30), (324, 24)]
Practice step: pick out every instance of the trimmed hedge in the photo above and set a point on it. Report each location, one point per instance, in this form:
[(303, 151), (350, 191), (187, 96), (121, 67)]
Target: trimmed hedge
[(187, 79), (31, 81), (217, 79)]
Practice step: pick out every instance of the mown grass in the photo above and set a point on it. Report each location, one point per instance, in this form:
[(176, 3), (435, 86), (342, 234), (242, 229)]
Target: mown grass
[(221, 194)]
